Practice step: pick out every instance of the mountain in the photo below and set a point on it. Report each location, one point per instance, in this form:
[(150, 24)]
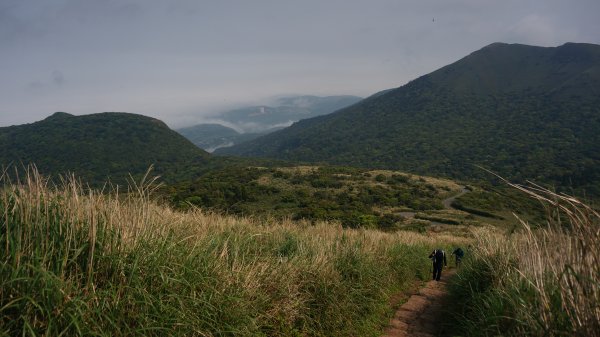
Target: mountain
[(251, 122), (285, 111), (214, 136), (524, 112), (99, 146)]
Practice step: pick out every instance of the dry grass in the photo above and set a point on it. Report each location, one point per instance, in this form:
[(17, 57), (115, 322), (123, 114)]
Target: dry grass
[(542, 280), (565, 254), (299, 170), (78, 262)]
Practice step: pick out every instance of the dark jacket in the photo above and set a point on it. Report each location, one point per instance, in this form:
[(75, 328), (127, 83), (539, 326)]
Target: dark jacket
[(438, 256)]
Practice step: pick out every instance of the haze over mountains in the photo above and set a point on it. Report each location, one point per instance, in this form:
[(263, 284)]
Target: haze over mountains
[(524, 112), (243, 124), (99, 146), (214, 136)]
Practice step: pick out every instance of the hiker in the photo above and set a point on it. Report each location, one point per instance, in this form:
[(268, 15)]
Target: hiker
[(458, 255), (438, 257)]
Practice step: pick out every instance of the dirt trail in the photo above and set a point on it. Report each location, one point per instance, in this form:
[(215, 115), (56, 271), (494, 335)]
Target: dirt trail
[(448, 202), (421, 315)]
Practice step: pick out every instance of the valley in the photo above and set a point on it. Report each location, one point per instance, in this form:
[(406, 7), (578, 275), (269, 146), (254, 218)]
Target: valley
[(240, 125)]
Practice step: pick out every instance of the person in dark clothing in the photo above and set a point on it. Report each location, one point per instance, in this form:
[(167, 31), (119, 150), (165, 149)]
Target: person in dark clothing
[(458, 255), (438, 257)]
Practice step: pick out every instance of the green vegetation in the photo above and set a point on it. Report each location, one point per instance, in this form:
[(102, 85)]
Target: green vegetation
[(534, 282), (499, 203), (355, 197), (101, 146), (524, 112), (78, 262)]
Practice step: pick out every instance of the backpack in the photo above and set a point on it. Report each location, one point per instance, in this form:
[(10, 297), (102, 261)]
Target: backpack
[(439, 255), (459, 252)]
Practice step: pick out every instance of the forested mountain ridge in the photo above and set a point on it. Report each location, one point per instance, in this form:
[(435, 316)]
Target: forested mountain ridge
[(99, 146), (522, 111)]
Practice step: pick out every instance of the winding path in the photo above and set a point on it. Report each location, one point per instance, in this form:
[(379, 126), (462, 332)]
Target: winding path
[(421, 315), (448, 201)]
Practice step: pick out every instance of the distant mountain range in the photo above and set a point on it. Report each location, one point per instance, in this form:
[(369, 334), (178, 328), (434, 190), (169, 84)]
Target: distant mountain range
[(240, 125), (214, 136), (524, 112), (99, 146)]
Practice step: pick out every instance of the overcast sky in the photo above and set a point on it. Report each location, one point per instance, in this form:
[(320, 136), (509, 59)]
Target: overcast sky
[(180, 60)]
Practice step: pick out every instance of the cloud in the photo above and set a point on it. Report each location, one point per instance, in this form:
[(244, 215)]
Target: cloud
[(55, 80), (86, 11), (536, 29), (58, 78), (36, 86), (180, 60)]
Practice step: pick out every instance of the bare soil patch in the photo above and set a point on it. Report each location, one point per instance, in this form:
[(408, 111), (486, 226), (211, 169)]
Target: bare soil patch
[(422, 314)]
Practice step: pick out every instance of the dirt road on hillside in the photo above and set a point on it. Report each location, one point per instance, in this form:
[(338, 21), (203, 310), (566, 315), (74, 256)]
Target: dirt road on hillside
[(422, 314), (448, 201)]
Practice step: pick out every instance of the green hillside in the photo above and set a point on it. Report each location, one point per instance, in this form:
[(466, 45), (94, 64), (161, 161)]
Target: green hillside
[(522, 111), (355, 197), (98, 146)]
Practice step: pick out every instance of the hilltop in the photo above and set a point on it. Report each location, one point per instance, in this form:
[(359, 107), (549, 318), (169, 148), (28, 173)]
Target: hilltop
[(524, 112), (99, 146)]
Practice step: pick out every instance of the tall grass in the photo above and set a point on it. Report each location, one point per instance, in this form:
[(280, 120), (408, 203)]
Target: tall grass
[(542, 281), (81, 262)]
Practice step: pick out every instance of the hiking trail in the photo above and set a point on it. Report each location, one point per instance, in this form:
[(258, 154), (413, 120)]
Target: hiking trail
[(447, 203), (422, 314)]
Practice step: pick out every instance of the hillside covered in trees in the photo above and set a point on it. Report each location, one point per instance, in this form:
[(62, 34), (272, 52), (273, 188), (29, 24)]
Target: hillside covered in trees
[(100, 146), (524, 112)]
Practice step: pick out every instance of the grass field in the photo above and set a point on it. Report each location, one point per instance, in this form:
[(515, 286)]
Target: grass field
[(79, 262), (118, 263)]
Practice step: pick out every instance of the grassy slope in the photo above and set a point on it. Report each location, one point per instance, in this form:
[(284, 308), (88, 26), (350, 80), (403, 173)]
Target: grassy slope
[(76, 262), (82, 263), (355, 197)]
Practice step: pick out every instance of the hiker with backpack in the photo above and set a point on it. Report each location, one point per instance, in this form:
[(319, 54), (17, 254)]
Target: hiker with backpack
[(438, 257), (458, 255)]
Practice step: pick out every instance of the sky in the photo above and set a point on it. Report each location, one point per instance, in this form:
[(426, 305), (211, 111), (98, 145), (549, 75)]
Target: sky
[(182, 61)]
